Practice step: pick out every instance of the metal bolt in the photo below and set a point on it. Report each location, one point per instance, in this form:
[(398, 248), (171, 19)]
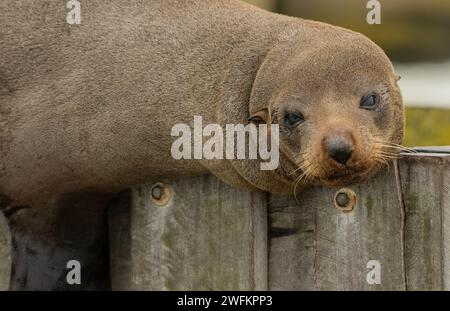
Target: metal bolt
[(161, 194), (157, 192), (345, 200), (342, 199)]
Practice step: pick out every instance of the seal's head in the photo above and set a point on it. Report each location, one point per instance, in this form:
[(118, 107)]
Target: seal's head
[(337, 103)]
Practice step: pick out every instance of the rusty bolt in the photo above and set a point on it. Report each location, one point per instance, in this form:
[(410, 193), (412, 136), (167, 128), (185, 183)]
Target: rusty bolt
[(345, 200), (161, 194)]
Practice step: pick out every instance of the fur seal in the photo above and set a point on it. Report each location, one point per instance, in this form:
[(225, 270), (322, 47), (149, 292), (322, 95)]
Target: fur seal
[(86, 110)]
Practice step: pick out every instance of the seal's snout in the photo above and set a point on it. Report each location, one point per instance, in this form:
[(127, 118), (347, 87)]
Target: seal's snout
[(339, 146)]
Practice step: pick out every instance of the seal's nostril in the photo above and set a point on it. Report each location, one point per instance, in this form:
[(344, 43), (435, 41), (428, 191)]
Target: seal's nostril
[(339, 150)]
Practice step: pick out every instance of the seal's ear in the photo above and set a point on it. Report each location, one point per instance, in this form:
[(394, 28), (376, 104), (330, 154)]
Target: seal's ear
[(397, 78), (260, 116)]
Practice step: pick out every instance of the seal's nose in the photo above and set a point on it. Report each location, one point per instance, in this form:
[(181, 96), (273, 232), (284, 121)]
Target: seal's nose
[(339, 152), (339, 148)]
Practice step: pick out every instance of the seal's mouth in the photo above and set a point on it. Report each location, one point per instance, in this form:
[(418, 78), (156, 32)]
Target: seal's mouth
[(333, 176), (323, 169), (339, 177), (346, 177)]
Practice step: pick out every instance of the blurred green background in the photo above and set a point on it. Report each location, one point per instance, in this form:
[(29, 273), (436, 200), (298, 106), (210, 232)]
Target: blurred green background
[(416, 36)]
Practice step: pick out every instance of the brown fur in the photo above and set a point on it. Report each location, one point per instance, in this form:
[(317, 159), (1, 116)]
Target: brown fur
[(88, 109)]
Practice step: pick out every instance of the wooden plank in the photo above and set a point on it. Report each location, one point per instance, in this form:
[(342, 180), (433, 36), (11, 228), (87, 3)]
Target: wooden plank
[(425, 188), (314, 246), (209, 236), (212, 236), (5, 254), (433, 149), (446, 226)]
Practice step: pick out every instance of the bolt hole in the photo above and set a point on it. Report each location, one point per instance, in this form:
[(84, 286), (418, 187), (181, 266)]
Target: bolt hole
[(161, 194), (345, 200)]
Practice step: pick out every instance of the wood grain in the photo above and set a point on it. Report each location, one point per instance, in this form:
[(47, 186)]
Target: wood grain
[(326, 249), (314, 246), (210, 236), (5, 254)]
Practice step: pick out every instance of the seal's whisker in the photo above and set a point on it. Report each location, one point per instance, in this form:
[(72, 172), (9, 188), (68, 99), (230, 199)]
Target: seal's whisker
[(390, 155), (385, 161), (381, 162), (300, 165), (380, 147), (394, 145), (302, 176), (295, 170), (401, 147), (405, 149), (382, 144), (308, 170), (295, 188), (393, 154)]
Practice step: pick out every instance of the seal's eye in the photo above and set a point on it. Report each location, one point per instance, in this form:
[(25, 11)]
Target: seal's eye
[(370, 101), (293, 119)]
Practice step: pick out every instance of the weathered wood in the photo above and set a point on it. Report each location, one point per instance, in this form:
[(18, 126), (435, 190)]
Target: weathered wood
[(314, 246), (209, 236), (426, 194), (5, 254), (212, 236)]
